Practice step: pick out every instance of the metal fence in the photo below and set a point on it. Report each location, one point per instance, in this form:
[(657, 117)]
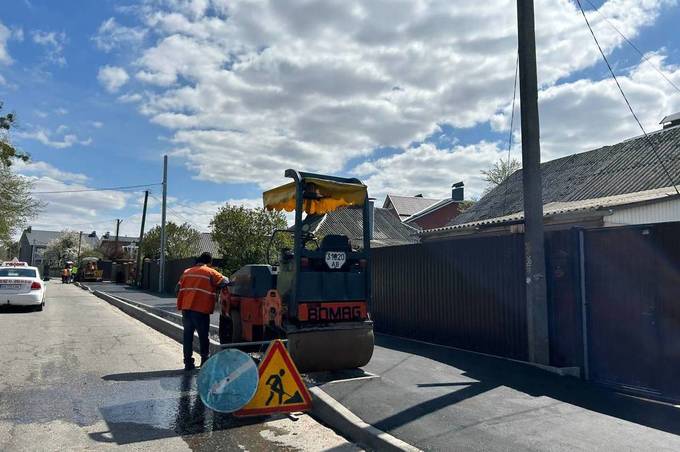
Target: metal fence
[(467, 293), (173, 271)]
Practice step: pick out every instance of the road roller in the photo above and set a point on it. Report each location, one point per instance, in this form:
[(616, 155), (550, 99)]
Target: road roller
[(315, 293)]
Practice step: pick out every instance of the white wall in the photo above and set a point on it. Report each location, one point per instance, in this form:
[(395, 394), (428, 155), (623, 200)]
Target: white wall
[(657, 212)]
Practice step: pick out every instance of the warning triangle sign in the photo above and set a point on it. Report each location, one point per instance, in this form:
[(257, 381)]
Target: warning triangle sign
[(280, 388)]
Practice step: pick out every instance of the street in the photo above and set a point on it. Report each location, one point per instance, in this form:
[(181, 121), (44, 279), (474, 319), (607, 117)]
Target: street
[(83, 375), (436, 397)]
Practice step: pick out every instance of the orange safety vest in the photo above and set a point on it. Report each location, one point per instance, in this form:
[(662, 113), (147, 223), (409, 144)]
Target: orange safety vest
[(197, 289), (65, 272)]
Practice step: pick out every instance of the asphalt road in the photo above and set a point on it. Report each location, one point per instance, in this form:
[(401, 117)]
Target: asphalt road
[(438, 398), (82, 375)]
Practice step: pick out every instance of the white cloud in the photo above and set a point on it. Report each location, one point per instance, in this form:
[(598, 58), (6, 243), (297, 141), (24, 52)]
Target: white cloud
[(54, 43), (58, 139), (130, 98), (44, 169), (430, 171), (112, 78), (74, 210), (112, 35), (248, 89), (5, 35), (564, 131), (97, 124)]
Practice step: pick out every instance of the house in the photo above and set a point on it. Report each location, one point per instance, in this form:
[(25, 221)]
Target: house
[(388, 230), (406, 206), (33, 242), (121, 247), (206, 243), (440, 213), (632, 182)]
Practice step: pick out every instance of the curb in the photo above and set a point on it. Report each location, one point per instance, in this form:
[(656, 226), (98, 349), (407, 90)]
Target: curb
[(171, 316), (324, 407), (331, 412), (166, 327)]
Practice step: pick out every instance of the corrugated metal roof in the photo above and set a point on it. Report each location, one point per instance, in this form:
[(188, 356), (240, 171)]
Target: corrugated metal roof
[(388, 230), (42, 238), (627, 167), (206, 243), (409, 205), (559, 208), (670, 118), (121, 239)]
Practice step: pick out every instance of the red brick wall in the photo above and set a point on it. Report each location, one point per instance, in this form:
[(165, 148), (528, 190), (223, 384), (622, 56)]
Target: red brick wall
[(439, 217)]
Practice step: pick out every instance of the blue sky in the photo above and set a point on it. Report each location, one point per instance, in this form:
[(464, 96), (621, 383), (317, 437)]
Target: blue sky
[(409, 98)]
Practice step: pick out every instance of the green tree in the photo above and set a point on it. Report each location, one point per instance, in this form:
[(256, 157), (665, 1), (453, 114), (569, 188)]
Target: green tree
[(181, 241), (242, 235), (65, 248), (17, 206), (7, 151), (499, 171)]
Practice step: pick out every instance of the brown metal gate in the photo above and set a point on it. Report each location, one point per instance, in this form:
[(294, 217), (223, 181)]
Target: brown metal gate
[(632, 282)]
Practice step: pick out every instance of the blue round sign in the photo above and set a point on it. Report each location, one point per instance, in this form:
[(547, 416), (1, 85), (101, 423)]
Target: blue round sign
[(227, 381)]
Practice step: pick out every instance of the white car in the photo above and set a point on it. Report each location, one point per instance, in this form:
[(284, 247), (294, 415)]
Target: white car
[(20, 285)]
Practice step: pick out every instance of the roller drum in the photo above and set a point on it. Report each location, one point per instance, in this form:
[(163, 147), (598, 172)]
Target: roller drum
[(331, 348)]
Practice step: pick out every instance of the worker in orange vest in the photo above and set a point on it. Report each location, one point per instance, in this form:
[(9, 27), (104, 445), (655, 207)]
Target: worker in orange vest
[(196, 296)]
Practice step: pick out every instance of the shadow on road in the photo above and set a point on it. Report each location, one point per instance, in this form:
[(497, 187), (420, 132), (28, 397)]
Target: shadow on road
[(493, 372), (16, 309)]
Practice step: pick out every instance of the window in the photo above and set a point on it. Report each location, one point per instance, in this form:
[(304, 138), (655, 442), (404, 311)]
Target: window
[(17, 272)]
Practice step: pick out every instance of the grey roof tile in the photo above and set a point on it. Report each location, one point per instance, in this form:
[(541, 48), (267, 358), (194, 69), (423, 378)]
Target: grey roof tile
[(409, 205), (627, 167), (388, 228)]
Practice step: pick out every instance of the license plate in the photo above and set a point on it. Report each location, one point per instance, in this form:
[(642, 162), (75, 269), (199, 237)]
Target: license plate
[(10, 286), (335, 259)]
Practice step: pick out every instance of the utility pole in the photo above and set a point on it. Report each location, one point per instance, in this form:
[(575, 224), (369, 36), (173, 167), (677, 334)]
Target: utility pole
[(115, 244), (537, 303), (80, 240), (161, 273), (141, 238)]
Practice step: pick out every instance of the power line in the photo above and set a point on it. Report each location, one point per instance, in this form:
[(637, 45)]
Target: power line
[(625, 38), (611, 71), (125, 187), (512, 125), (177, 214)]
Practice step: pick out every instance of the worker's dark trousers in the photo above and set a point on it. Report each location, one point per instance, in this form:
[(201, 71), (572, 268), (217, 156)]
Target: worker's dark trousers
[(195, 321)]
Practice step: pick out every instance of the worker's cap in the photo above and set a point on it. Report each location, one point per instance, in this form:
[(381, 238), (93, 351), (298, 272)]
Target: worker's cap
[(204, 258)]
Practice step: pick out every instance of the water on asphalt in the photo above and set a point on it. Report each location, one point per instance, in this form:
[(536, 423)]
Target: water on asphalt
[(83, 375)]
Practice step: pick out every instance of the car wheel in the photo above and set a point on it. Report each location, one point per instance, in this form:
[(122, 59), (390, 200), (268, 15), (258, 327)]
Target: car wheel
[(40, 307)]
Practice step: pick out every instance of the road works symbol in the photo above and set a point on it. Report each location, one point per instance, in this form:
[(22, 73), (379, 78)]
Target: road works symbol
[(280, 389)]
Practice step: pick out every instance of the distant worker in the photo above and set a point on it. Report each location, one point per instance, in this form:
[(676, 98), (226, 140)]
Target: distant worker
[(65, 275), (196, 296), (74, 273)]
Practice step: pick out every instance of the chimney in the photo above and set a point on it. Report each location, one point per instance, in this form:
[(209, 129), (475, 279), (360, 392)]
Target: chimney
[(457, 191), (671, 121), (371, 217)]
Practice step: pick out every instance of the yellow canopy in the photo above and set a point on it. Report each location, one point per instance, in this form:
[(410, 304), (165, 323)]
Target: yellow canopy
[(331, 195)]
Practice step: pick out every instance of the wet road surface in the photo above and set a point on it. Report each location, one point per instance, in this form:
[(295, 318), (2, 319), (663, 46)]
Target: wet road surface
[(83, 375)]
